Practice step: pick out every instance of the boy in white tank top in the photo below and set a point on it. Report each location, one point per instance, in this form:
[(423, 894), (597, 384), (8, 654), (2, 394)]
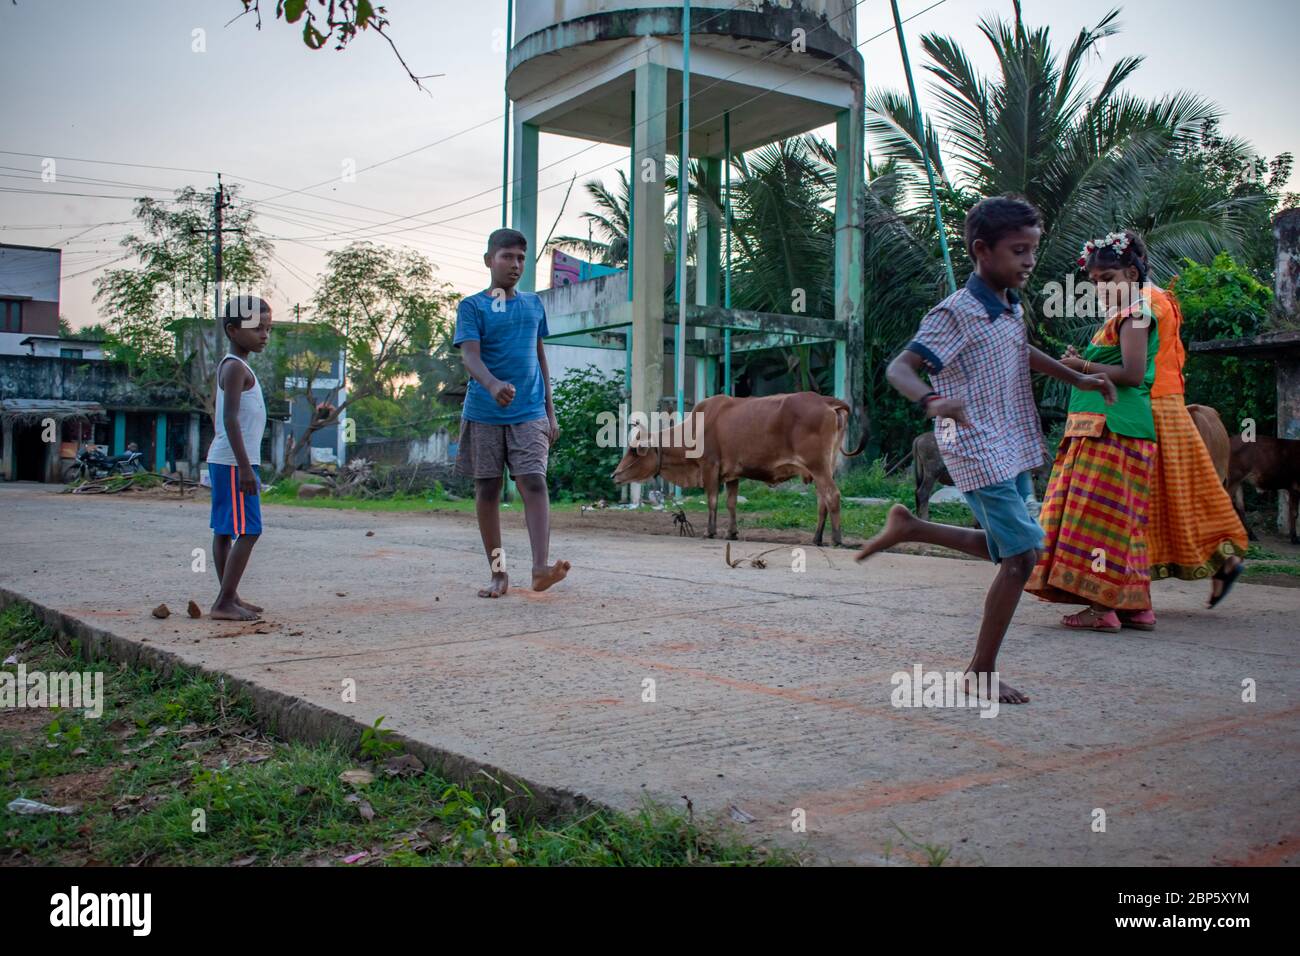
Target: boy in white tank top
[(239, 418)]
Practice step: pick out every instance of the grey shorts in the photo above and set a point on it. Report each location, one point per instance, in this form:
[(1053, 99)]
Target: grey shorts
[(485, 449)]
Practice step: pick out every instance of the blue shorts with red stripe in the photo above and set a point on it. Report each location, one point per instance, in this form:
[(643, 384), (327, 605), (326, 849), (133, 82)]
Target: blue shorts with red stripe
[(233, 512)]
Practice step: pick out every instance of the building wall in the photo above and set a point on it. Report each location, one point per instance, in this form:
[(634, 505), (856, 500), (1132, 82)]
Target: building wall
[(52, 348), (107, 383), (30, 274)]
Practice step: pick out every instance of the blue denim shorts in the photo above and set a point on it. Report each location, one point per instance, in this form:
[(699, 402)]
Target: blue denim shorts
[(1001, 511)]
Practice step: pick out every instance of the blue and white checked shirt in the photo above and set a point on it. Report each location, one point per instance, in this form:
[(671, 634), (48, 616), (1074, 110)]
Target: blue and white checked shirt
[(977, 350)]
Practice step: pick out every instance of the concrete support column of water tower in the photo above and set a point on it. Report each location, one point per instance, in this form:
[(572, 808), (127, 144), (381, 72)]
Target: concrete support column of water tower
[(523, 204), (648, 285), (849, 246), (708, 265)]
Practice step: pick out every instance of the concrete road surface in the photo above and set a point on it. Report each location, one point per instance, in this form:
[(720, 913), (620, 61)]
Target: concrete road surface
[(771, 687)]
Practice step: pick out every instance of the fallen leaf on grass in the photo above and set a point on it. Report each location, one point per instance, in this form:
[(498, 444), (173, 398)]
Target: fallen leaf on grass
[(121, 729), (405, 765), (257, 758), (246, 861), (416, 842), (356, 856), (357, 778), (363, 807)]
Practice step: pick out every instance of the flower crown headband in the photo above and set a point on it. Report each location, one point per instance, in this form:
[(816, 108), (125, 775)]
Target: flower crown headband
[(1118, 241)]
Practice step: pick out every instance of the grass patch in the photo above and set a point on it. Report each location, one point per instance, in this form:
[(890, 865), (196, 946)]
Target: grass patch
[(1254, 568), (785, 507), (177, 772)]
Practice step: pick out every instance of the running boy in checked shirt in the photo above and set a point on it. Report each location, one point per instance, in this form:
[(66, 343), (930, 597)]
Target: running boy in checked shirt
[(975, 348), (509, 416)]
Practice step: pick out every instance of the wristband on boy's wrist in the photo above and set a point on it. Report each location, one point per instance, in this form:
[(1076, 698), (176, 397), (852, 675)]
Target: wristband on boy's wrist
[(925, 400)]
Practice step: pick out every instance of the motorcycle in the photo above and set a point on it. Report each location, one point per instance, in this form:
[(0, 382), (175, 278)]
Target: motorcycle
[(92, 463)]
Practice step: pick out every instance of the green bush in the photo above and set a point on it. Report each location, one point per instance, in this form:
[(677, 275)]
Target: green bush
[(1223, 301), (579, 467), (870, 481)]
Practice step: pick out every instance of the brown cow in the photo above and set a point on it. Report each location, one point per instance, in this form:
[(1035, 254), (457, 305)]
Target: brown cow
[(929, 470), (1214, 435), (1270, 464), (770, 439)]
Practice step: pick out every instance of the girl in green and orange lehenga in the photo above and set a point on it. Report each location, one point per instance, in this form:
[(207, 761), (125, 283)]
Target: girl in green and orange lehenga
[(1094, 514), (1193, 533)]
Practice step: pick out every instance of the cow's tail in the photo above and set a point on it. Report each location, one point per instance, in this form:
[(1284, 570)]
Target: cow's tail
[(842, 412)]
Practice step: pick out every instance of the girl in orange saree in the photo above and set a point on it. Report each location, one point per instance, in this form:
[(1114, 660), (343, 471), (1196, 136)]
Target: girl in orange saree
[(1193, 532)]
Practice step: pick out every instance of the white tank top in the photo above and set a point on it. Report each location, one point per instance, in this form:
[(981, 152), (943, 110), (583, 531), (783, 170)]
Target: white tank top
[(252, 421)]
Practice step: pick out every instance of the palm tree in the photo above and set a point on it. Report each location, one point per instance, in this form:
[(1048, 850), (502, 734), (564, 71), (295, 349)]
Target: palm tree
[(1091, 158), (610, 224)]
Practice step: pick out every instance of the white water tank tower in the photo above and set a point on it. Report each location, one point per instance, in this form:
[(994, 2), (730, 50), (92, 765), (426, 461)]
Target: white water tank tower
[(611, 71)]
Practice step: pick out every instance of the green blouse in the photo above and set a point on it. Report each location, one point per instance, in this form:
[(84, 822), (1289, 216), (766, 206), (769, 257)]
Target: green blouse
[(1131, 413)]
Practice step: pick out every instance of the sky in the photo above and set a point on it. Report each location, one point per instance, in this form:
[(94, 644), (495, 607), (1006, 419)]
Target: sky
[(92, 83)]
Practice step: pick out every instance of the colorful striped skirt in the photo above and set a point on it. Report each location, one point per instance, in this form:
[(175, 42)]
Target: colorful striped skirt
[(1193, 526), (1094, 518)]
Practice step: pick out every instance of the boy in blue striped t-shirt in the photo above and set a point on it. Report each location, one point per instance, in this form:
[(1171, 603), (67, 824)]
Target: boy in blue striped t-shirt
[(508, 418)]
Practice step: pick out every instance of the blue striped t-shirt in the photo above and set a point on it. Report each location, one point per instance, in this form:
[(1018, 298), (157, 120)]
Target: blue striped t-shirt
[(507, 330)]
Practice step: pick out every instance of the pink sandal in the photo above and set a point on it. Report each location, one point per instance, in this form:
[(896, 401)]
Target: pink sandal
[(1139, 620), (1107, 623)]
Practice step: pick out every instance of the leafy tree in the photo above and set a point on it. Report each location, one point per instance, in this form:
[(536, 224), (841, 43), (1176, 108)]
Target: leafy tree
[(578, 465), (610, 224), (1224, 301), (96, 332), (394, 321), (903, 276), (1227, 167), (1090, 157), (342, 21), (171, 282)]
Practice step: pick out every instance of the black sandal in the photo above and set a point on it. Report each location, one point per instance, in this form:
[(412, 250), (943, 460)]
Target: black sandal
[(1229, 578)]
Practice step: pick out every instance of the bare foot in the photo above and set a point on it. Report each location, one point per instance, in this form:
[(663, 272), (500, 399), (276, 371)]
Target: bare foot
[(1006, 693), (897, 522), (498, 586), (246, 606), (544, 578), (231, 611)]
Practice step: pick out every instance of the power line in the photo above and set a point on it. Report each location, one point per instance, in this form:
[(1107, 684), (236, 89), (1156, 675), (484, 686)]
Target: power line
[(556, 185), (95, 268), (499, 116), (421, 225), (371, 166), (67, 225)]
